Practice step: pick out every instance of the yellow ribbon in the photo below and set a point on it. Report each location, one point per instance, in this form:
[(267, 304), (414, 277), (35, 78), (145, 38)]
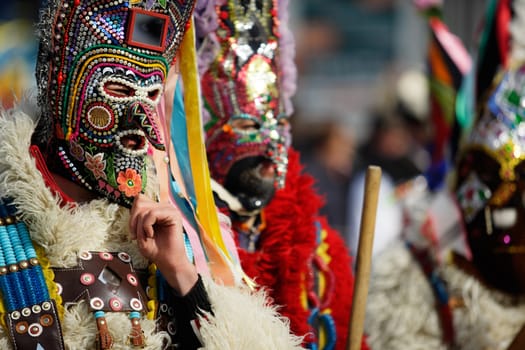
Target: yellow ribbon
[(206, 210)]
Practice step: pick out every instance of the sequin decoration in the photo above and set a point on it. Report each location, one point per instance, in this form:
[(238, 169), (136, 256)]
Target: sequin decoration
[(500, 130), (242, 85), (473, 195)]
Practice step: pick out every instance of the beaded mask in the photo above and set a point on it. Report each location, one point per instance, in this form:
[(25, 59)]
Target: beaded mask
[(100, 75), (491, 186), (248, 131)]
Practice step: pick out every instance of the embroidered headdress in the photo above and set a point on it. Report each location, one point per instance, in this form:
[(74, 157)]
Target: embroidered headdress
[(247, 80), (100, 73)]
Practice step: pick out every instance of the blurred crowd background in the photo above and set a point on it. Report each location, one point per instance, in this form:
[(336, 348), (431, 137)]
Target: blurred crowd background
[(362, 93)]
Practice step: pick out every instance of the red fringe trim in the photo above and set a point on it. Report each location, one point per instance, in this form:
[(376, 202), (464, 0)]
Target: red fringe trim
[(286, 246)]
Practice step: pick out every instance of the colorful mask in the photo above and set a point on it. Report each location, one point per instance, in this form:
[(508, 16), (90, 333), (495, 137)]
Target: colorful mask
[(248, 128), (100, 75), (491, 186)]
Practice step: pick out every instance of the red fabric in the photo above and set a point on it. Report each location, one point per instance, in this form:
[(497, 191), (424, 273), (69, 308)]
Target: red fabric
[(287, 246), (503, 17), (48, 178)]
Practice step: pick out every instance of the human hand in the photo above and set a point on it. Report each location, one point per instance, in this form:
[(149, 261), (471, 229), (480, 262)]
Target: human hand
[(157, 227)]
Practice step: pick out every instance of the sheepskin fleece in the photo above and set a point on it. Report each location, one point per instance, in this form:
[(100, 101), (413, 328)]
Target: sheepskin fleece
[(401, 311), (282, 262), (99, 225), (255, 327)]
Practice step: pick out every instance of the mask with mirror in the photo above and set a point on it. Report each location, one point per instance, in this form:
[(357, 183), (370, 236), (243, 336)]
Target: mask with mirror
[(100, 76)]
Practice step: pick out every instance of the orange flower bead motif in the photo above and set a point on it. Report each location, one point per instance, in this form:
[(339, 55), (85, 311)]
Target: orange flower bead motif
[(129, 182)]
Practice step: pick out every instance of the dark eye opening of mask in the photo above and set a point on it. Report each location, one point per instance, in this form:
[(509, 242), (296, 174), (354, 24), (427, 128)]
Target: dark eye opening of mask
[(147, 30)]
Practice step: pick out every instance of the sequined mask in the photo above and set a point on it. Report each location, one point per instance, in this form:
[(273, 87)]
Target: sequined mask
[(491, 186), (241, 92), (100, 76)]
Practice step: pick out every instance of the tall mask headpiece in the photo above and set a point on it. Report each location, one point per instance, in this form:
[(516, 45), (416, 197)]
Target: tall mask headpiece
[(245, 99), (491, 167), (100, 74), (491, 185)]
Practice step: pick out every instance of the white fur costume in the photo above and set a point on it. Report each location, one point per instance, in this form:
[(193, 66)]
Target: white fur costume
[(242, 320), (402, 314)]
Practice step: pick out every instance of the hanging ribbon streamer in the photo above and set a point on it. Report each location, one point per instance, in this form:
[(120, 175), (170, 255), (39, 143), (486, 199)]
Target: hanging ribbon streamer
[(179, 135), (222, 255), (173, 184), (448, 63)]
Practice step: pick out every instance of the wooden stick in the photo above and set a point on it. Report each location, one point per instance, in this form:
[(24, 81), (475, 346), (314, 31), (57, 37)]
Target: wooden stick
[(364, 257)]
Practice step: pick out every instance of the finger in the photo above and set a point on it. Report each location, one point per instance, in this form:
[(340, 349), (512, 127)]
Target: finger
[(145, 247), (167, 215), (149, 220), (136, 210), (146, 221), (143, 244), (133, 225), (139, 227), (140, 206)]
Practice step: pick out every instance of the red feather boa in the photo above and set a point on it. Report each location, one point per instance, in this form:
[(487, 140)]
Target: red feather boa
[(286, 246)]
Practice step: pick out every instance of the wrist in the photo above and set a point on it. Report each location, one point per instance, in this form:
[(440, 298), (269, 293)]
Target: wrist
[(181, 278)]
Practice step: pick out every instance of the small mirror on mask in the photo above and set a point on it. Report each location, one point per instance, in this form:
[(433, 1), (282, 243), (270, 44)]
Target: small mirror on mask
[(147, 30)]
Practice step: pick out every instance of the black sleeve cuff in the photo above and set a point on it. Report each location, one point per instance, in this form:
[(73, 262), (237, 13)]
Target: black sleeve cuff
[(194, 302), (187, 309)]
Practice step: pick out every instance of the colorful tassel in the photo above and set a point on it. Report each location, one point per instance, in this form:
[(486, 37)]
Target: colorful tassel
[(104, 339), (136, 336)]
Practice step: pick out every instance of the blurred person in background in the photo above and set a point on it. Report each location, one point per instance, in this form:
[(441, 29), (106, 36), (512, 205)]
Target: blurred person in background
[(472, 299), (328, 153), (397, 143)]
